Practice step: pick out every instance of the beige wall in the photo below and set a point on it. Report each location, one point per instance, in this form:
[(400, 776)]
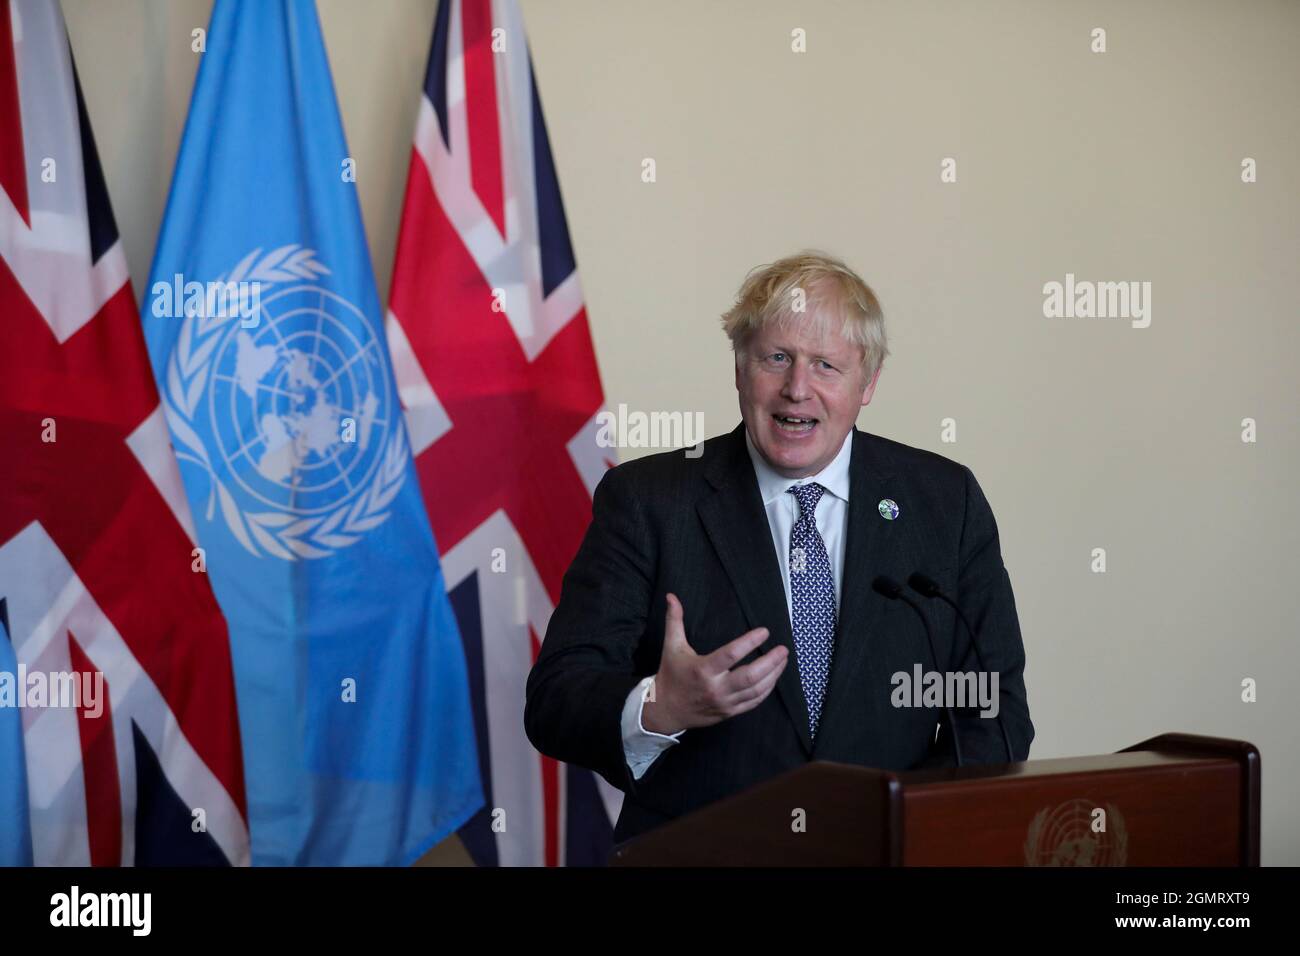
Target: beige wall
[(1116, 166)]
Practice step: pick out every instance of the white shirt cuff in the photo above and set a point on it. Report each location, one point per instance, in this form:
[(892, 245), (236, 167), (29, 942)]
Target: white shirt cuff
[(641, 747)]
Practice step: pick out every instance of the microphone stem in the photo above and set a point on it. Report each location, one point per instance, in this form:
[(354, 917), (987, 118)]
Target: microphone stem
[(934, 656), (1006, 738)]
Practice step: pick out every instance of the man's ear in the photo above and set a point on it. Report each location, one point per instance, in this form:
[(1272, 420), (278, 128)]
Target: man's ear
[(871, 387), (737, 371)]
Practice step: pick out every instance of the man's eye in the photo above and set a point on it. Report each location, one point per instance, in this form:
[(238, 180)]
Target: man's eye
[(778, 357)]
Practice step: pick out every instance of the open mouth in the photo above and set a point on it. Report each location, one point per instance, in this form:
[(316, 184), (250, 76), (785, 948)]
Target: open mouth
[(794, 424)]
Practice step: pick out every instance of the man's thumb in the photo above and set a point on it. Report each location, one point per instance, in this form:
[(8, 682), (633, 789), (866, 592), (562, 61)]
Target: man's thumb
[(674, 625)]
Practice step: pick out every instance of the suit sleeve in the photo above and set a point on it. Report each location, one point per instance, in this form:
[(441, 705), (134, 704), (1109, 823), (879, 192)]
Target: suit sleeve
[(984, 594), (586, 669)]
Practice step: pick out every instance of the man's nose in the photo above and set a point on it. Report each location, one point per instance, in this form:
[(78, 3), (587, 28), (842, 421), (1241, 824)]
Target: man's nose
[(796, 384)]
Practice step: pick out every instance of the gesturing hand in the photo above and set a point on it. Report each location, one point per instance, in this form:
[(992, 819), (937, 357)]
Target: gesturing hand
[(693, 690)]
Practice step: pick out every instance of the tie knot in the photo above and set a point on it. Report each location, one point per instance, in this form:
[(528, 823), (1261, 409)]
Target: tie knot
[(808, 496)]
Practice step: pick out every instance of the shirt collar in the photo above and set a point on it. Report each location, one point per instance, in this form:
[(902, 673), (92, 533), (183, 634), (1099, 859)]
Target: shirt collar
[(834, 477)]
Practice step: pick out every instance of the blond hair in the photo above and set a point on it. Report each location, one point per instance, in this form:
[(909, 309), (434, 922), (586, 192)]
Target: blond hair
[(829, 289)]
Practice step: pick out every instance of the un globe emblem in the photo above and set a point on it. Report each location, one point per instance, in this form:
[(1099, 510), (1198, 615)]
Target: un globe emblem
[(299, 404), (293, 414), (1070, 835)]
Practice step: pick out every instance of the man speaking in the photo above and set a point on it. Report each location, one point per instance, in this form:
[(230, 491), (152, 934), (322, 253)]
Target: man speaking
[(704, 583)]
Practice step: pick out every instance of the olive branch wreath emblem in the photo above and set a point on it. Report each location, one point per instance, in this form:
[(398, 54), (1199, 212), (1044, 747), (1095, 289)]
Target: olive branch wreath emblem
[(1119, 830), (283, 534)]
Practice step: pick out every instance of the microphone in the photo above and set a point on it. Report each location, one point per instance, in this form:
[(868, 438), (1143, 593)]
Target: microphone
[(927, 587), (891, 589)]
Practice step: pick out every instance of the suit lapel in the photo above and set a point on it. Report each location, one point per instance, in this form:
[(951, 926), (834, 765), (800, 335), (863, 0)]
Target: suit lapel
[(870, 543), (736, 522)]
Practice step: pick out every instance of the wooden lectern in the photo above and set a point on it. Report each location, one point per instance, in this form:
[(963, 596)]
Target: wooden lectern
[(1173, 800)]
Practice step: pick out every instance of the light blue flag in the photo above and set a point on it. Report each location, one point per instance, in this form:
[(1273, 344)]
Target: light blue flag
[(265, 334), (15, 827)]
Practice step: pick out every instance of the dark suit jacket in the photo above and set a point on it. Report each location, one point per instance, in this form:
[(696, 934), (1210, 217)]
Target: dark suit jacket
[(698, 528)]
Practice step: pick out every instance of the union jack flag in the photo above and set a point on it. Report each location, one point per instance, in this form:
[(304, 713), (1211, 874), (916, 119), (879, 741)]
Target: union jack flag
[(494, 362), (97, 573)]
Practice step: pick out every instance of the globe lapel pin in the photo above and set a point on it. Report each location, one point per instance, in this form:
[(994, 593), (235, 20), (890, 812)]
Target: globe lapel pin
[(888, 509)]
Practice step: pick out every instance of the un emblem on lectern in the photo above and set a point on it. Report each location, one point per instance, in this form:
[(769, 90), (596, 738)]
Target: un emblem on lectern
[(1064, 837), (292, 415)]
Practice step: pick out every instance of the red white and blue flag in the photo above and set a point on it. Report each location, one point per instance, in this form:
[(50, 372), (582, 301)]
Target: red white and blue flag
[(98, 586), (498, 378)]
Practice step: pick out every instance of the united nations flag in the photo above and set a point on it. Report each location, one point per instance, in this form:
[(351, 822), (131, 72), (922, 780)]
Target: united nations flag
[(264, 332)]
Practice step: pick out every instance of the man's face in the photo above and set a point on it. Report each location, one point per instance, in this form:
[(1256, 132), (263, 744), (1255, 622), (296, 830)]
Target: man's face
[(800, 391)]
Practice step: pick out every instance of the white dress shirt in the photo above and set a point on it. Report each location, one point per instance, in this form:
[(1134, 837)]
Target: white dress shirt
[(642, 746)]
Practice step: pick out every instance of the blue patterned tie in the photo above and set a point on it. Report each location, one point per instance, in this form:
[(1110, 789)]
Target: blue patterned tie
[(812, 600)]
